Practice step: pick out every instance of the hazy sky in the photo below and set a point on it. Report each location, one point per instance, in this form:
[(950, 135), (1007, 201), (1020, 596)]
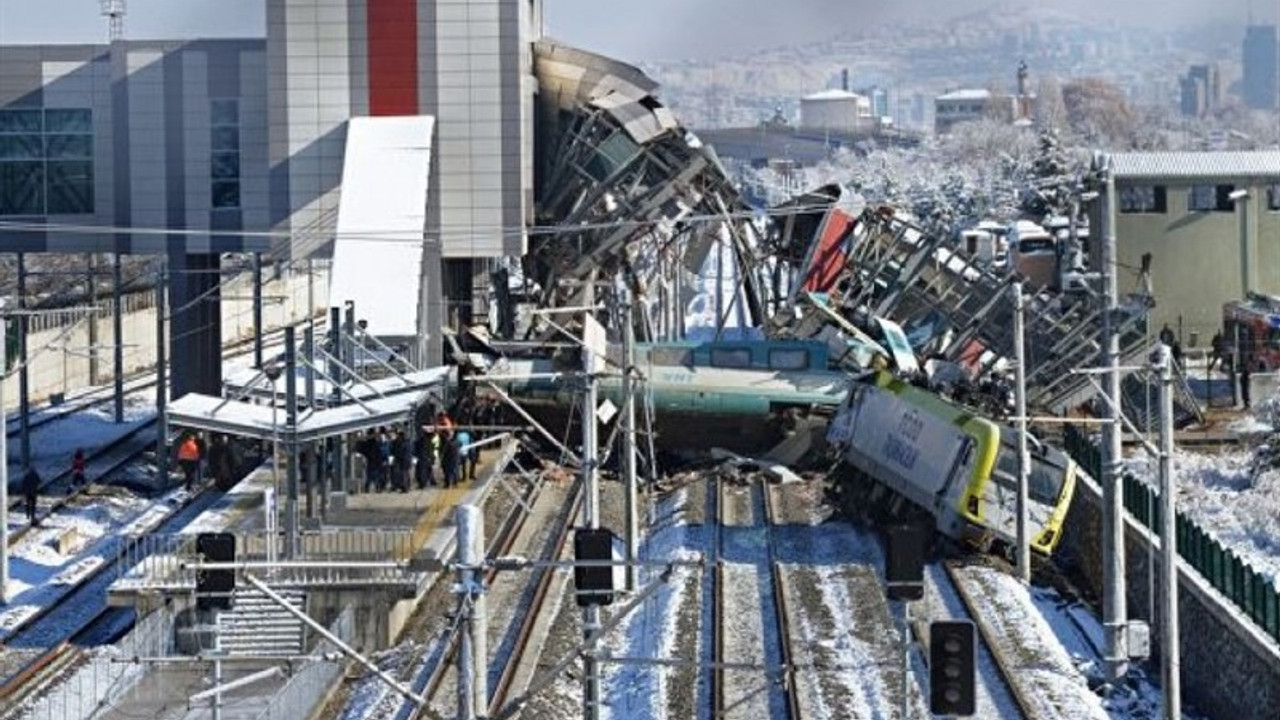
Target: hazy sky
[(629, 29)]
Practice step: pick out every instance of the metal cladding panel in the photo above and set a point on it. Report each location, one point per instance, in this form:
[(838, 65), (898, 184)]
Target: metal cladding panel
[(911, 443), (377, 256), (393, 57)]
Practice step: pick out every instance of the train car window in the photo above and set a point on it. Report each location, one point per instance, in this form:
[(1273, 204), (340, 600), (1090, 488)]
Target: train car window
[(671, 356), (1044, 483), (788, 359), (731, 358)]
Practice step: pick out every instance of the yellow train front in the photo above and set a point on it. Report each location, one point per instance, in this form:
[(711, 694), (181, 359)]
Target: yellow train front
[(957, 467)]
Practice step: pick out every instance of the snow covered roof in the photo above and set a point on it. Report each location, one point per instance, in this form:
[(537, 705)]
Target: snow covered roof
[(833, 95), (966, 94), (1192, 165), (262, 422), (238, 382)]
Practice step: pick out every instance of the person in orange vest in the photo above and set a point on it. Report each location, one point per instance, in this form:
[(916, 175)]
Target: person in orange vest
[(189, 459)]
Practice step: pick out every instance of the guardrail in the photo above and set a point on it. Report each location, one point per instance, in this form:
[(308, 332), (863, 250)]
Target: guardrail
[(1229, 574), (104, 679), (310, 685), (164, 561)]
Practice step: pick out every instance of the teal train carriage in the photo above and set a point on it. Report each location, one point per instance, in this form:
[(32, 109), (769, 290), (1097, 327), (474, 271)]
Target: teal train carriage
[(743, 395)]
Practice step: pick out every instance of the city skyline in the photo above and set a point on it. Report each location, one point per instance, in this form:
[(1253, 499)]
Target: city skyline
[(633, 31)]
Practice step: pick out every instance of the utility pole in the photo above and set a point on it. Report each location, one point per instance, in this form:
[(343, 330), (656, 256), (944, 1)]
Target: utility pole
[(162, 384), (1171, 666), (257, 311), (1020, 407), (4, 463), (336, 480), (629, 446), (24, 394), (291, 430), (473, 660), (1114, 618), (91, 291), (117, 327), (592, 342)]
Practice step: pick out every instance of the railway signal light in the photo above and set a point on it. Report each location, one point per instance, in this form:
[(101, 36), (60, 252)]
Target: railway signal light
[(951, 668), (904, 561), (594, 583), (214, 587)]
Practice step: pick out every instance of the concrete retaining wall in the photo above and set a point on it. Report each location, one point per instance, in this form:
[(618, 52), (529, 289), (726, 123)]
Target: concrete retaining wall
[(61, 364), (1230, 669)]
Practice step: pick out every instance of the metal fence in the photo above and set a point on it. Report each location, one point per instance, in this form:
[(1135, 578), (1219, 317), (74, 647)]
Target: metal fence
[(102, 680), (309, 686), (1230, 575), (165, 561)]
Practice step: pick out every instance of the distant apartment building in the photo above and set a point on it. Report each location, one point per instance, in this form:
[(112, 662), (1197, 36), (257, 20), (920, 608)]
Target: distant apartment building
[(1259, 82), (968, 105), (836, 110), (1200, 91)]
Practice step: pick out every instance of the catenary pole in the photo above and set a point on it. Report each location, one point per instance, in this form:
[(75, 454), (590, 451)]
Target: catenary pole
[(257, 310), (590, 512), (4, 462), (1113, 580), (162, 385), (1020, 405), (24, 389), (629, 447), (291, 443), (1171, 657), (117, 329)]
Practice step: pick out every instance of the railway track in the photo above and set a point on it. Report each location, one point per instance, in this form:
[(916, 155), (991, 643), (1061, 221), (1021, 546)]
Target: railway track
[(60, 632), (751, 675), (100, 464), (537, 593), (998, 696)]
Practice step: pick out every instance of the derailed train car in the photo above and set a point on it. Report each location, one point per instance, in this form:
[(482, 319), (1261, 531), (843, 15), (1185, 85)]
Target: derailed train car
[(959, 468), (741, 395)]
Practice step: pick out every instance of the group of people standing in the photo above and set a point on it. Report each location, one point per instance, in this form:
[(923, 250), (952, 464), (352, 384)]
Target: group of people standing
[(396, 461)]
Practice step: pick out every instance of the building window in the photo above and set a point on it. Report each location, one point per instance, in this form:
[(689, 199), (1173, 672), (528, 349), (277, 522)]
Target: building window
[(1273, 197), (1143, 199), (46, 161), (731, 357), (224, 154), (1210, 198)]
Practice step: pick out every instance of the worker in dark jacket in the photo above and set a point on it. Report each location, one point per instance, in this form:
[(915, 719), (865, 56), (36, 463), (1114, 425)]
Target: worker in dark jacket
[(31, 489)]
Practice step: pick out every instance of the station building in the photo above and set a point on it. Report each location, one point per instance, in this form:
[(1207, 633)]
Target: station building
[(1211, 223), (192, 149)]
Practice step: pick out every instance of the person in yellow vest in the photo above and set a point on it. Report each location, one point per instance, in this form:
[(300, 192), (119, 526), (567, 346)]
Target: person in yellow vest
[(189, 459)]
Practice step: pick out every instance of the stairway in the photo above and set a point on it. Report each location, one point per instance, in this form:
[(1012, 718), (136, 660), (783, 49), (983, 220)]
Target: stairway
[(256, 625)]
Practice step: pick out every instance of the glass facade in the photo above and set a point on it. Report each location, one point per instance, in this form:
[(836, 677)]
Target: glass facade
[(224, 154), (46, 161)]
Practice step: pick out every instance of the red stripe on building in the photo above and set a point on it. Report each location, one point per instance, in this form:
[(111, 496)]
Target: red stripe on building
[(393, 57)]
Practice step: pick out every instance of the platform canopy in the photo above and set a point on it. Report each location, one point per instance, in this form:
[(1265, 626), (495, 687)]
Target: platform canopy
[(263, 422), (251, 384)]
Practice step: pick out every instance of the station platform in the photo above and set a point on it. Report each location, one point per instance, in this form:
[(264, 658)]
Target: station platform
[(390, 541)]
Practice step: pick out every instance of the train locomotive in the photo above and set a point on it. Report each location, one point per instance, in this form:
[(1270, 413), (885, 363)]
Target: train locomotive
[(941, 460)]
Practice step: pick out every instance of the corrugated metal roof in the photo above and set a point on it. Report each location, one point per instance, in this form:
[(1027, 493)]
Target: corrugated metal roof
[(1192, 165)]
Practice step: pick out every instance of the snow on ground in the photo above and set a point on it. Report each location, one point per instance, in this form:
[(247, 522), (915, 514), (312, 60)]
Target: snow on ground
[(42, 570), (1220, 493), (53, 443), (652, 630)]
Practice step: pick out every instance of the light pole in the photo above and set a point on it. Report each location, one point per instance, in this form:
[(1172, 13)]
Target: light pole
[(273, 372), (1240, 198)]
